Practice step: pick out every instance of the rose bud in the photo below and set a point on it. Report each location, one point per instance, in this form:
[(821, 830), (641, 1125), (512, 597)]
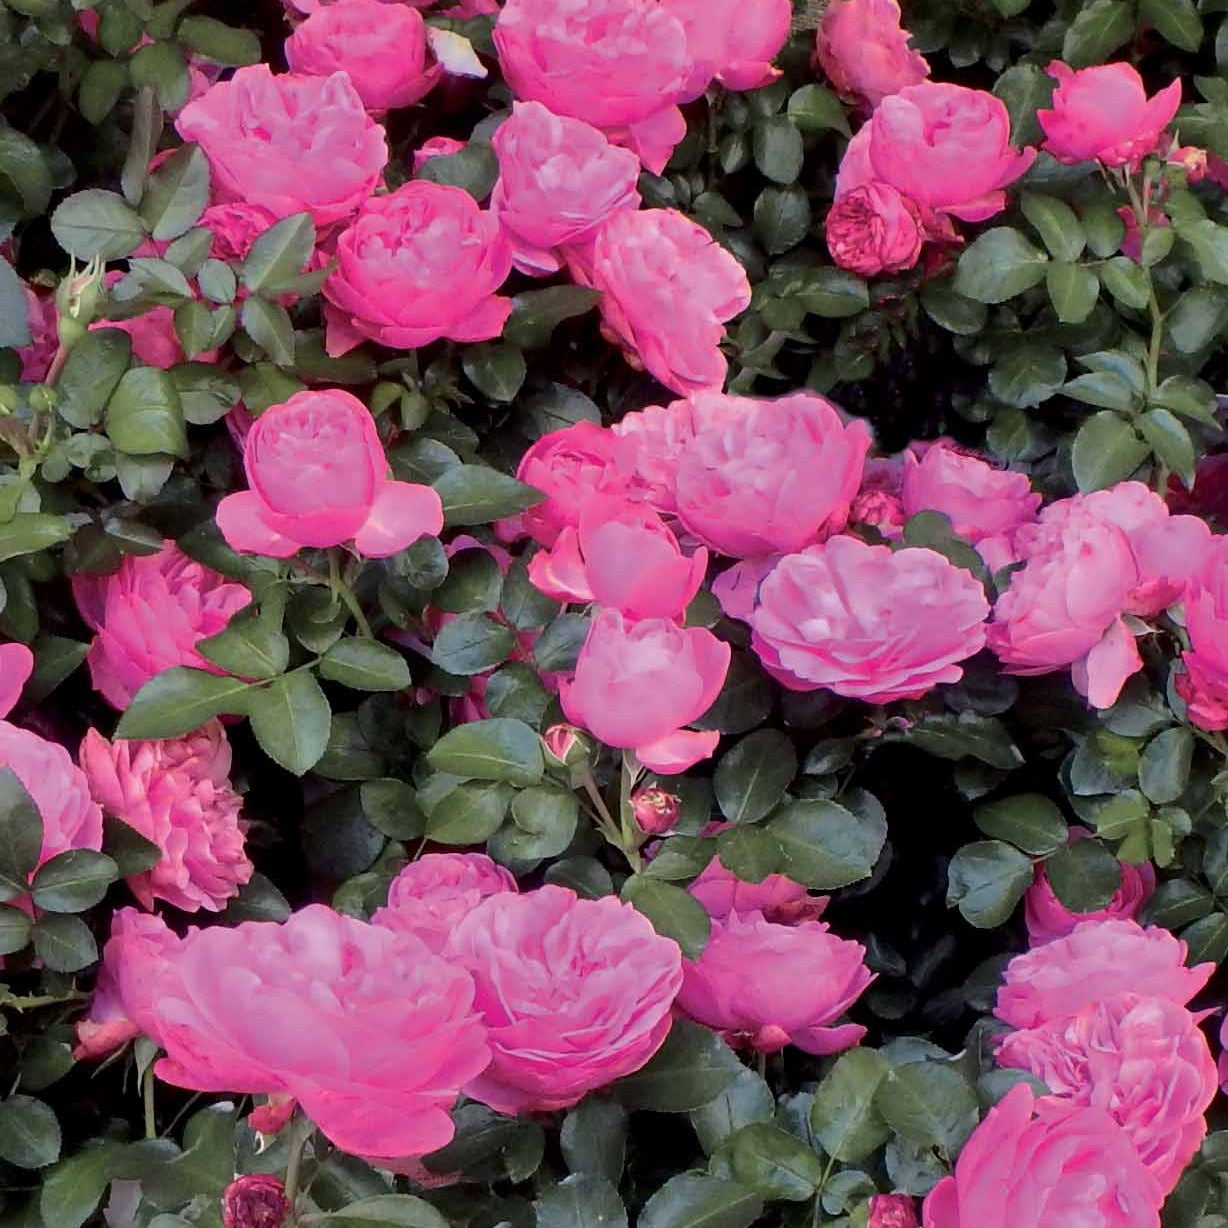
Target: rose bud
[(892, 1211), (656, 811), (255, 1201), (566, 744)]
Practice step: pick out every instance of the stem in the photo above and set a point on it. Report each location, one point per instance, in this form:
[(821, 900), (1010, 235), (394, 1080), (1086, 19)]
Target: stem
[(1157, 335), (57, 365), (151, 1124), (605, 820), (346, 594), (301, 1131)]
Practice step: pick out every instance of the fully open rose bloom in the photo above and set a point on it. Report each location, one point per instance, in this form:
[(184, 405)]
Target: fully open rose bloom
[(864, 51), (1096, 960), (868, 622), (1067, 1166), (637, 683), (874, 229), (418, 264), (768, 477), (1204, 685), (150, 615), (575, 994), (319, 477), (381, 48), (667, 290), (766, 986), (658, 436), (432, 895), (1143, 1060), (366, 1028), (733, 41), (290, 143), (559, 179), (176, 793), (1103, 114), (620, 65)]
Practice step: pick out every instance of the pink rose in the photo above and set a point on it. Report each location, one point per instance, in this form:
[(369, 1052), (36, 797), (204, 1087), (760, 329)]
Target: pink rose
[(655, 811), (319, 477), (382, 48), (881, 510), (150, 615), (1132, 240), (1096, 960), (574, 993), (559, 179), (736, 589), (289, 143), (868, 622), (416, 265), (637, 683), (864, 51), (154, 340), (433, 894), (1070, 1165), (235, 228), (733, 41), (256, 1200), (621, 556), (436, 147), (176, 793), (620, 65), (777, 898), (768, 477), (367, 1029), (1143, 1059), (947, 148), (667, 290), (43, 320), (16, 666), (1103, 114), (892, 1211), (1048, 918), (873, 229), (295, 8), (1204, 685), (659, 435), (766, 986)]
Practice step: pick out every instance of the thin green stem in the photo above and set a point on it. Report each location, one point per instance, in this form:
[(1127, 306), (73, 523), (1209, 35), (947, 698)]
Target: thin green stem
[(151, 1121), (343, 590), (301, 1131)]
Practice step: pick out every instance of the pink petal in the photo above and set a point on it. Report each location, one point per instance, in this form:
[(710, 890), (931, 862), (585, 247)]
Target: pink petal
[(16, 666), (486, 321), (402, 513), (654, 139), (559, 572), (1101, 674), (241, 520), (677, 751)]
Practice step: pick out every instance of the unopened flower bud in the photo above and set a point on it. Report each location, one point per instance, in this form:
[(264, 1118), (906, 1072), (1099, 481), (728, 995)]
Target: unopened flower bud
[(656, 811), (255, 1201), (892, 1211), (76, 301), (566, 744)]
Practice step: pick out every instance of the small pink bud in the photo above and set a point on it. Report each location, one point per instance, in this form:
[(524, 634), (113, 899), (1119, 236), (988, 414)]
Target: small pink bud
[(567, 744), (256, 1201), (1191, 159), (881, 509), (656, 811), (269, 1118), (892, 1211)]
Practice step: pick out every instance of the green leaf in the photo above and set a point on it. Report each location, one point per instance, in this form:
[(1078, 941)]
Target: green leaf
[(1103, 228), (1198, 318), (537, 313), (389, 1211), (751, 853), (495, 368), (92, 373), (559, 644), (777, 148), (1127, 282), (144, 416), (843, 1115), (986, 880), (1084, 875), (65, 944), (1056, 223), (469, 813), (747, 1099), (1073, 291), (206, 394), (585, 1200), (495, 749), (594, 1137), (73, 881), (1164, 767), (1175, 20), (15, 929), (29, 1133), (693, 1066), (1177, 903), (249, 647), (1104, 388), (999, 265), (1025, 89), (1209, 242), (782, 218), (21, 835), (695, 1200), (955, 312), (101, 86), (268, 325), (176, 194), (179, 700), (543, 825), (1207, 940), (1097, 30), (1028, 374), (161, 66), (219, 42), (472, 644), (365, 665), (1170, 442), (752, 777), (826, 846), (25, 169), (291, 720), (1106, 451), (833, 293), (391, 807), (815, 108), (1029, 821), (774, 1163), (473, 169), (279, 254), (14, 313), (131, 851), (97, 223), (674, 913), (474, 583), (73, 1189), (930, 1104), (475, 494)]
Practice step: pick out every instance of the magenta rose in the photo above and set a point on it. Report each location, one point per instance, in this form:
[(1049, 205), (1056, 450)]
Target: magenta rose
[(290, 143), (864, 51), (574, 994), (873, 229), (1143, 1059), (382, 48), (559, 179), (418, 264), (777, 898), (1068, 1165), (766, 986), (1096, 960), (620, 65), (768, 477), (1103, 114), (436, 147), (732, 41), (235, 228), (667, 290), (637, 684), (257, 1200), (892, 1211), (868, 622), (319, 477), (1204, 685), (659, 434), (149, 616)]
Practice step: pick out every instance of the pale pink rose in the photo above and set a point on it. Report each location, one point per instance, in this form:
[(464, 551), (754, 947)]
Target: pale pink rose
[(437, 146), (1048, 918), (319, 477), (1143, 1060), (290, 143), (868, 622), (298, 8), (1103, 114), (864, 51), (176, 793), (765, 986), (768, 477), (667, 290), (737, 587), (732, 41), (433, 894), (1096, 960), (574, 994), (638, 683), (892, 1211), (382, 48), (620, 65), (366, 1028), (621, 556), (873, 230), (255, 1200), (559, 179), (660, 434), (150, 615), (777, 898), (43, 320), (416, 265), (1068, 1166), (1204, 685), (235, 228), (947, 148)]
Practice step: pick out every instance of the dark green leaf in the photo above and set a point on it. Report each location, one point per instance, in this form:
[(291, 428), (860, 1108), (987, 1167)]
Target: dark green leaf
[(1176, 20), (594, 1137), (291, 720), (474, 169), (536, 314), (179, 700), (219, 42), (931, 1105), (91, 374), (14, 312), (73, 881), (97, 223), (1097, 30), (131, 851), (73, 1189), (1170, 442), (249, 647), (469, 813), (65, 944), (674, 913), (21, 835), (986, 880), (176, 194), (781, 218), (777, 149), (474, 494), (1106, 450), (692, 1067), (496, 749), (752, 777), (365, 665), (826, 846), (843, 1115), (1073, 291), (268, 325), (774, 1163), (1207, 940), (999, 265), (472, 644), (279, 254), (15, 929), (388, 1211), (29, 1133), (695, 1200), (1029, 821), (1056, 223), (144, 416), (585, 1200), (1084, 876), (815, 108)]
